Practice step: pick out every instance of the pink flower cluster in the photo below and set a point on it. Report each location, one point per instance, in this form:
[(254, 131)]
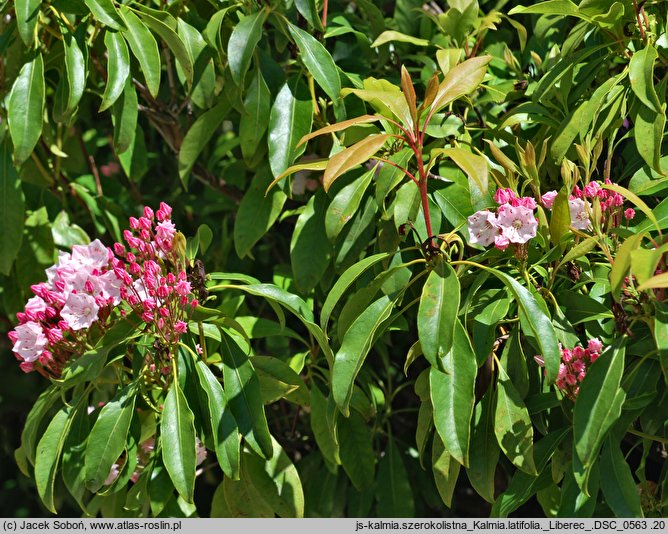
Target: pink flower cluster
[(513, 222), (84, 287), (580, 207), (574, 365), (157, 295), (81, 289)]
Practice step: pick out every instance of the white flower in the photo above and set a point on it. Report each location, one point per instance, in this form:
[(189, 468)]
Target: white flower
[(518, 223), (93, 255), (80, 311), (483, 227), (30, 341), (579, 217)]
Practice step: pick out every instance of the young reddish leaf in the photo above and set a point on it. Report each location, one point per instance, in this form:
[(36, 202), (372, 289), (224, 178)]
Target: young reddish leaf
[(460, 80), (352, 156), (339, 126), (409, 92)]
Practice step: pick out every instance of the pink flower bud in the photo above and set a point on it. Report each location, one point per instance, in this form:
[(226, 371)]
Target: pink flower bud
[(166, 209), (595, 345), (503, 196), (144, 223), (26, 367), (134, 223), (629, 214), (548, 199), (119, 249), (135, 268), (148, 213), (164, 312), (147, 317), (180, 327)]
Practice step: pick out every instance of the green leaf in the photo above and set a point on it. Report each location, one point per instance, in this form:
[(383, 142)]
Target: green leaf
[(355, 346), (460, 80), (242, 391), (512, 425), (661, 336), (622, 263), (539, 323), (385, 97), (309, 10), (599, 403), (204, 76), (12, 207), (245, 37), (318, 61), (453, 396), (278, 380), (38, 411), (74, 455), (445, 469), (337, 127), (256, 214), (484, 453), (551, 7), (352, 156), (310, 249), (437, 315), (183, 56), (255, 118), (27, 14), (641, 76), (25, 109), (637, 201), (105, 12), (145, 49), (346, 202), (619, 487), (118, 68), (75, 67), (357, 457), (49, 449), (290, 119), (648, 133), (198, 136), (124, 117), (389, 36), (225, 432), (473, 165), (177, 431), (560, 221), (325, 434), (106, 441), (393, 489)]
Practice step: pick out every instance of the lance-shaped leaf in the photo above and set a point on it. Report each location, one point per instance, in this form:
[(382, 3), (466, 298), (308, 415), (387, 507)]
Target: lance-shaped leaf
[(255, 118), (460, 80), (356, 452), (49, 450), (648, 133), (389, 36), (512, 425), (105, 12), (641, 76), (27, 13), (560, 221), (363, 119), (25, 109), (118, 67), (145, 49), (12, 207), (484, 453), (224, 427), (599, 403), (622, 263), (124, 117), (473, 165), (393, 489), (242, 391), (179, 452), (386, 98), (75, 67), (355, 346), (637, 201), (318, 61), (245, 37), (617, 483), (551, 7), (106, 441), (437, 315), (453, 396), (352, 156), (445, 469)]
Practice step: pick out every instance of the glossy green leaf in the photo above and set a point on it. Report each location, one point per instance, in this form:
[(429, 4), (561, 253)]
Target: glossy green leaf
[(124, 117), (241, 46), (166, 31), (560, 221), (25, 109), (145, 48), (198, 136), (445, 469), (619, 487), (318, 61), (105, 12), (453, 396), (309, 10), (661, 336), (325, 434), (641, 76), (47, 458), (106, 441), (637, 201), (255, 118), (473, 165), (204, 76), (39, 409), (74, 455), (225, 432), (599, 403), (393, 489), (648, 132), (75, 67), (484, 452), (118, 68), (177, 431), (12, 207), (355, 346), (242, 391), (551, 7), (622, 263), (27, 14), (352, 156), (437, 314), (460, 80), (278, 380), (357, 456), (512, 425), (242, 499), (346, 202), (389, 36), (290, 119), (337, 127), (385, 97)]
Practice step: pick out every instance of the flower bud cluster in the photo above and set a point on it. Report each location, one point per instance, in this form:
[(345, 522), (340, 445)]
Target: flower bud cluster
[(513, 222), (574, 366)]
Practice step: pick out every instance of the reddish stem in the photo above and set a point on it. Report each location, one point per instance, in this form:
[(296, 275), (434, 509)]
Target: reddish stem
[(324, 13)]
